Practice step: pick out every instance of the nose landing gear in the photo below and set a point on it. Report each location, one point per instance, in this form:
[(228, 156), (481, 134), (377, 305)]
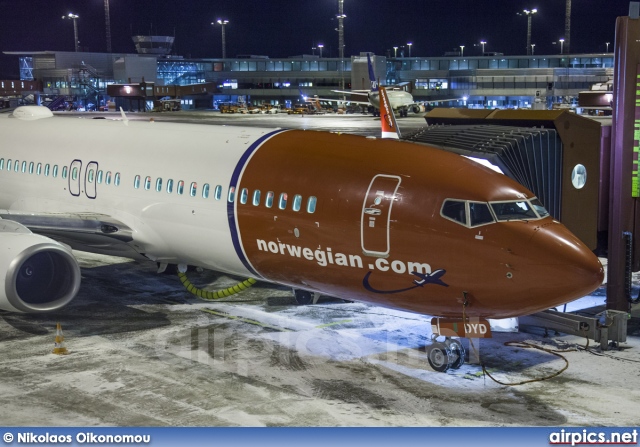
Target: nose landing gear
[(449, 353)]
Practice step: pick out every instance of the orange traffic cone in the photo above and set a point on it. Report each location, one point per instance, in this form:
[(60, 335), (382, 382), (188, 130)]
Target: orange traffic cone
[(59, 344)]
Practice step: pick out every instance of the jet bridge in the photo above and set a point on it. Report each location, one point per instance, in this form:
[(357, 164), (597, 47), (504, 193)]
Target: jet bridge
[(556, 154)]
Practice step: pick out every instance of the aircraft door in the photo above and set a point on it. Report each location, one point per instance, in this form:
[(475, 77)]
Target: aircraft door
[(74, 177), (90, 179), (376, 214)]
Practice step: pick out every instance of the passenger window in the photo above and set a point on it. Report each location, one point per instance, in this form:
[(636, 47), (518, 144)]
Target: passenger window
[(232, 194), (39, 169), (159, 184), (9, 165), (269, 201), (256, 197), (107, 179), (180, 188), (55, 171), (244, 195), (90, 176), (31, 168), (24, 167), (169, 186), (311, 205), (74, 174), (100, 175), (65, 172), (136, 182), (1, 164), (47, 169), (16, 166), (147, 183), (205, 191), (194, 189), (116, 179), (297, 202), (455, 210), (480, 214), (282, 203), (218, 192)]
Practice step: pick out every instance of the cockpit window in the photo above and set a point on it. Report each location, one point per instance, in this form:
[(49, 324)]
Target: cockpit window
[(455, 210), (519, 210), (479, 214), (539, 207)]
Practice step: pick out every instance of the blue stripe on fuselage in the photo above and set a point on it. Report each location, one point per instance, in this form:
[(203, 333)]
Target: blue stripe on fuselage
[(231, 205)]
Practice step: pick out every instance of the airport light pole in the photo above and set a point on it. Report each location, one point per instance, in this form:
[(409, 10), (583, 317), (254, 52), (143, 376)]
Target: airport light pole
[(341, 16), (607, 46), (561, 46), (529, 14), (74, 17), (483, 43), (409, 45), (533, 47), (461, 50), (222, 23), (567, 25), (395, 51), (107, 24), (320, 47)]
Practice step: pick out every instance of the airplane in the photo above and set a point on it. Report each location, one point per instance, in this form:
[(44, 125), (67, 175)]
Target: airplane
[(400, 100), (326, 213)]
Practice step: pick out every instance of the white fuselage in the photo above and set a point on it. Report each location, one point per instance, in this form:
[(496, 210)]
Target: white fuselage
[(169, 227)]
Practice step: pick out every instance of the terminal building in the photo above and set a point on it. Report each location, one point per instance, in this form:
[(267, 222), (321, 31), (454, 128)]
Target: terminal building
[(489, 81)]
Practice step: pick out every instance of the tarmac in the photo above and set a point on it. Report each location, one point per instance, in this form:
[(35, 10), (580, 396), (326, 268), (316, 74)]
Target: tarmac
[(144, 352)]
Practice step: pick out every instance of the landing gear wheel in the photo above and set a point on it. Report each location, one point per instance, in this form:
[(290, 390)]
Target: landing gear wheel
[(458, 353), (439, 357), (303, 297)]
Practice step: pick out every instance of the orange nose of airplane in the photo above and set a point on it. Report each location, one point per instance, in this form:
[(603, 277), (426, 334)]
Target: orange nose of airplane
[(566, 266)]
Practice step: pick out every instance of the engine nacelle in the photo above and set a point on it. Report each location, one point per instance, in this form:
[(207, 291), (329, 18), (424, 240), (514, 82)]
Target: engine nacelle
[(37, 274)]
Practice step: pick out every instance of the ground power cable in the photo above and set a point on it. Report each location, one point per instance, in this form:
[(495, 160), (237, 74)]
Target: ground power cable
[(210, 296), (519, 344)]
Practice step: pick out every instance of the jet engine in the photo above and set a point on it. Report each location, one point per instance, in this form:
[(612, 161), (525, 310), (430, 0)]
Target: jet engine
[(37, 274)]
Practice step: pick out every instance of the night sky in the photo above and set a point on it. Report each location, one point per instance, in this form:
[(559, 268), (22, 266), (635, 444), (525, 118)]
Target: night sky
[(281, 28)]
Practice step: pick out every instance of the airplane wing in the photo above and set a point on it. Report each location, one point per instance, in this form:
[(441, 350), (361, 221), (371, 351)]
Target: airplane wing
[(343, 100), (80, 231), (352, 92)]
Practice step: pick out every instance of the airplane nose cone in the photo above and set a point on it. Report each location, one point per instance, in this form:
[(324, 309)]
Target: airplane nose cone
[(578, 271)]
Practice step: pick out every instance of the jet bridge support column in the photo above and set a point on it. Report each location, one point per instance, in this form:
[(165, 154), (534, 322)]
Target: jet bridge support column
[(624, 177)]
